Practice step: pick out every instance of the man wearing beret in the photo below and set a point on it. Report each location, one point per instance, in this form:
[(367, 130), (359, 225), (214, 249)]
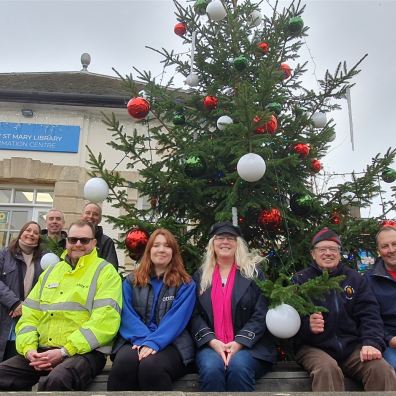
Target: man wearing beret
[(349, 338)]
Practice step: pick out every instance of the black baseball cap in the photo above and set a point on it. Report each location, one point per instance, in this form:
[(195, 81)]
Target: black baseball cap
[(225, 227)]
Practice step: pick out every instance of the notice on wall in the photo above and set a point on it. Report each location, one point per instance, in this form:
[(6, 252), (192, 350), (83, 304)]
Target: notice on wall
[(39, 137)]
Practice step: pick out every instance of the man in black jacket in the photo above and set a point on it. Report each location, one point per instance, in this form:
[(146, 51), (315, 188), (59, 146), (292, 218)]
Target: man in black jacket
[(349, 338), (55, 222), (92, 213)]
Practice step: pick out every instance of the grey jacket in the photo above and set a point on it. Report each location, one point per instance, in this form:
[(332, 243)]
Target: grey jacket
[(12, 273)]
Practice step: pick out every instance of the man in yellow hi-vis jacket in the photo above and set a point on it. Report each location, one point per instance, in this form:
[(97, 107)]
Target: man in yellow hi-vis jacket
[(68, 321)]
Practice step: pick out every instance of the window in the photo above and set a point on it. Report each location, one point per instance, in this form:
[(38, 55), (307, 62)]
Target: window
[(18, 205)]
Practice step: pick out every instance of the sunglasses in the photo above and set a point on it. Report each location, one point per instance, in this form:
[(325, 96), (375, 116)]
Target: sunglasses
[(83, 241)]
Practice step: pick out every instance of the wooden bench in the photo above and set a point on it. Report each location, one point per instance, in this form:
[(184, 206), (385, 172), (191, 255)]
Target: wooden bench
[(285, 377)]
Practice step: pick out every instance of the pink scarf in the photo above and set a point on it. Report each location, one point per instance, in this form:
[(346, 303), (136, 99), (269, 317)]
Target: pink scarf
[(222, 305)]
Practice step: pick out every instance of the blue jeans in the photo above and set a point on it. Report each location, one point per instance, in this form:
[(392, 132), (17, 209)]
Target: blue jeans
[(390, 356), (239, 376)]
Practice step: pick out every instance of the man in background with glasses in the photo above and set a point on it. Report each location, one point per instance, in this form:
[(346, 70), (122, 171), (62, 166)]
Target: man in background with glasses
[(68, 320), (349, 338)]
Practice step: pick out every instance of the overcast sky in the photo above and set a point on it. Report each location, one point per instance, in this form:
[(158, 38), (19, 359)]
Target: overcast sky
[(51, 36)]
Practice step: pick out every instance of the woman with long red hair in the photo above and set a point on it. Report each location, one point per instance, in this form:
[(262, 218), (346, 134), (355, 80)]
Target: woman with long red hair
[(154, 347)]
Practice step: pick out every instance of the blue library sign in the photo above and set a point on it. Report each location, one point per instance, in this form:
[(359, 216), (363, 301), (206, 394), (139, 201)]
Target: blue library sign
[(39, 137)]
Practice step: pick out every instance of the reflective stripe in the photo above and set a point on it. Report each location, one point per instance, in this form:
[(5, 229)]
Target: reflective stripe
[(92, 289), (105, 349), (32, 304), (105, 302), (90, 337), (27, 329), (63, 306), (45, 277)]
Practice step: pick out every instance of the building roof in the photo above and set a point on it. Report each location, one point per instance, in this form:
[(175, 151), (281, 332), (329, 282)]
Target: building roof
[(72, 88)]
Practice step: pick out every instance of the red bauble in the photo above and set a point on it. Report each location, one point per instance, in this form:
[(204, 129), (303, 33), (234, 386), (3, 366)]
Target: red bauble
[(180, 29), (287, 70), (270, 218), (270, 126), (210, 102), (263, 47), (135, 241), (316, 165), (302, 149), (335, 218), (388, 223), (138, 107)]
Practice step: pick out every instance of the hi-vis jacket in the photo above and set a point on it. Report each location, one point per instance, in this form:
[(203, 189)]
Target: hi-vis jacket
[(78, 309)]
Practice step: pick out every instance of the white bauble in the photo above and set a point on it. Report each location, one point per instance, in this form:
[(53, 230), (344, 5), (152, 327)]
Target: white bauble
[(192, 80), (49, 259), (255, 18), (223, 121), (96, 190), (251, 167), (216, 10), (319, 119), (283, 321)]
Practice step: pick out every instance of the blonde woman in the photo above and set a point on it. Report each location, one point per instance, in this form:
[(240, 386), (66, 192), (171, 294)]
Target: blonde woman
[(228, 323)]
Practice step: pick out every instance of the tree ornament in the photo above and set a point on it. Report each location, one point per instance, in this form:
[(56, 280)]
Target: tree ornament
[(228, 91), (49, 259), (179, 118), (283, 321), (255, 18), (135, 241), (240, 62), (138, 107), (210, 102), (263, 47), (335, 218), (96, 190), (270, 219), (287, 70), (270, 126), (295, 26), (200, 6), (316, 165), (274, 107), (301, 204), (251, 167), (192, 80), (216, 10), (223, 121), (389, 175), (319, 119), (302, 149), (194, 166), (180, 29)]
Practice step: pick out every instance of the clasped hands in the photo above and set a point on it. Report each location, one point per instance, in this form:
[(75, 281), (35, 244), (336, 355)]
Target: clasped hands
[(368, 352), (44, 361), (144, 351), (226, 351)]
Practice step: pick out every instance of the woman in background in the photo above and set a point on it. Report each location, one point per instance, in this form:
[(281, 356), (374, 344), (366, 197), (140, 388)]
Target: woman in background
[(228, 323), (154, 348), (19, 271)]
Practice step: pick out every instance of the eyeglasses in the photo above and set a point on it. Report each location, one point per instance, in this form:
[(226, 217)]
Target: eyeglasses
[(322, 250), (83, 241), (223, 238)]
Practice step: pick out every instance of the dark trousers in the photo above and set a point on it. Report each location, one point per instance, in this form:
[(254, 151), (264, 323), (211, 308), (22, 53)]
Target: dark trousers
[(328, 375), (153, 373), (10, 350), (73, 374)]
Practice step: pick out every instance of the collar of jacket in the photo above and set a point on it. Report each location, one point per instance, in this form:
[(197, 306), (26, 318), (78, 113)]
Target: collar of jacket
[(98, 231), (82, 261), (380, 270)]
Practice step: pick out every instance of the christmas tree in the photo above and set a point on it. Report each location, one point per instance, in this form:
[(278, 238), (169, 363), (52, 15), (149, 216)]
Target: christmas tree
[(243, 142)]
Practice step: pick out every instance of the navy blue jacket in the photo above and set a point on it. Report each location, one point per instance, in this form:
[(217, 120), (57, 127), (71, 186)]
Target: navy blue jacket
[(353, 319), (384, 289), (249, 309)]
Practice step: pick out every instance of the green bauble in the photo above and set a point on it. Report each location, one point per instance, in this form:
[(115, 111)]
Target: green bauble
[(295, 26), (240, 62), (274, 107), (179, 119), (194, 166), (389, 175), (301, 204), (200, 6)]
